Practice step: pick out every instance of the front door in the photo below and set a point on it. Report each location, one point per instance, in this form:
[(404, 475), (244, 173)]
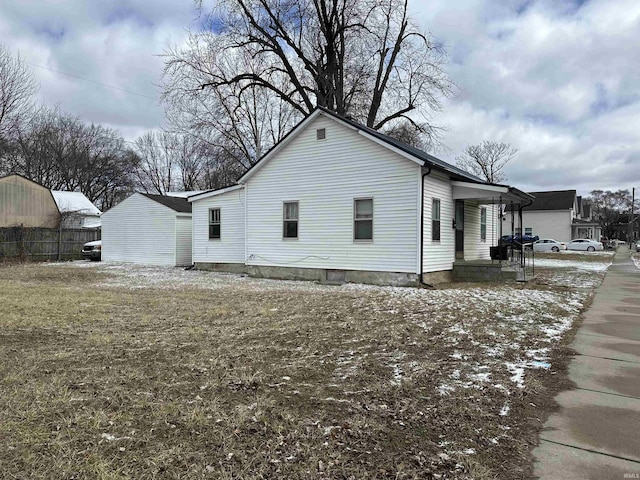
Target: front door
[(459, 229)]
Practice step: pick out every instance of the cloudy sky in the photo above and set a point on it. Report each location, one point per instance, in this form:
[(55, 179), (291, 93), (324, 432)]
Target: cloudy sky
[(558, 79)]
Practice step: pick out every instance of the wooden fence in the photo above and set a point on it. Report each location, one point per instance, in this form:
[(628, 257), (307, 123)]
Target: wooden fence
[(41, 244)]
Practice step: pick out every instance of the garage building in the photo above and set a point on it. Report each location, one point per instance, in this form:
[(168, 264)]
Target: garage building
[(148, 229)]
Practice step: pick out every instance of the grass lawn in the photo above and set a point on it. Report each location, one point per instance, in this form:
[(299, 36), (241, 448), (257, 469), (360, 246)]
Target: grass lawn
[(135, 372)]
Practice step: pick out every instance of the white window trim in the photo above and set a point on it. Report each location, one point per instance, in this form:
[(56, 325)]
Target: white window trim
[(284, 203), (433, 199), (211, 223), (373, 210), (486, 223)]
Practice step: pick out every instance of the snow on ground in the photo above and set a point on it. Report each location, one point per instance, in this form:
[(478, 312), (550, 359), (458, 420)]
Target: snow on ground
[(524, 322), (569, 272), (472, 341), (582, 265)]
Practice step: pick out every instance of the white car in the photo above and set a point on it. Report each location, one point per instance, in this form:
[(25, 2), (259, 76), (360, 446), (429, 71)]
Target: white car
[(548, 245), (584, 244)]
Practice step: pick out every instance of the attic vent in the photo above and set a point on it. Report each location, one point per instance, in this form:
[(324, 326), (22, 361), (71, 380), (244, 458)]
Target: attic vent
[(321, 134)]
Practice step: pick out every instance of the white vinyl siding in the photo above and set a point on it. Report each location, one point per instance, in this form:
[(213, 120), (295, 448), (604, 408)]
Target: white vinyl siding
[(554, 224), (474, 247), (325, 177), (183, 241), (139, 230), (438, 255), (229, 248)]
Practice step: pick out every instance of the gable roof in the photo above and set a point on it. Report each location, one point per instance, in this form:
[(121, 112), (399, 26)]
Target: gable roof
[(553, 200), (75, 202), (213, 192), (407, 151), (13, 174), (174, 203)]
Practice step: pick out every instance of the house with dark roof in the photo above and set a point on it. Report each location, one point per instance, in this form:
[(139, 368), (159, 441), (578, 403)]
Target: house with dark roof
[(557, 214), (148, 229), (337, 201)]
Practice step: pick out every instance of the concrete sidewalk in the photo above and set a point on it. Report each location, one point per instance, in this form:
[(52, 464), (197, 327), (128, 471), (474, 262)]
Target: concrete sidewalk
[(596, 432)]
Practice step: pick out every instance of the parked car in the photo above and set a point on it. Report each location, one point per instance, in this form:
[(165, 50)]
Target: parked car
[(548, 245), (92, 250), (584, 244), (516, 241)]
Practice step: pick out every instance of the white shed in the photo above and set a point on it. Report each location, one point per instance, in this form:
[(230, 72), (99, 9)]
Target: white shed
[(148, 229)]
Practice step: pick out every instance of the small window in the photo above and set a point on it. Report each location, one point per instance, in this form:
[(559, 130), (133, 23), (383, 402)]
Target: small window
[(290, 220), (518, 231), (214, 223), (363, 219), (528, 231), (321, 134), (435, 220), (483, 224)]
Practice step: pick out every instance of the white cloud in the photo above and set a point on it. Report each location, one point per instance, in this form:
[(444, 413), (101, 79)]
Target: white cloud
[(558, 80)]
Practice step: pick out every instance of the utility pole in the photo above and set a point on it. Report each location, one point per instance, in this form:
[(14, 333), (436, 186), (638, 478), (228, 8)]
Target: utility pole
[(631, 218)]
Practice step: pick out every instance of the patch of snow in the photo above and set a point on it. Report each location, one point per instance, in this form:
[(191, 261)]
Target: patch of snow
[(504, 411), (555, 263)]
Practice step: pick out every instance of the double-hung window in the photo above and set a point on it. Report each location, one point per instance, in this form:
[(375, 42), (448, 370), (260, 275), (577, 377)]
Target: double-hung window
[(435, 220), (290, 220), (363, 219), (214, 223), (483, 224)]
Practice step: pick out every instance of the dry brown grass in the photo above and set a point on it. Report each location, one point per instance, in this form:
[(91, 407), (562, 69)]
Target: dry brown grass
[(108, 382)]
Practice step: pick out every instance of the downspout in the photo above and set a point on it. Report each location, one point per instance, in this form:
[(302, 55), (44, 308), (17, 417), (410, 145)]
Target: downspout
[(422, 231)]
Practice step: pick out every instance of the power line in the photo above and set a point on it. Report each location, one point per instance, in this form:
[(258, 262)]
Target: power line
[(90, 81)]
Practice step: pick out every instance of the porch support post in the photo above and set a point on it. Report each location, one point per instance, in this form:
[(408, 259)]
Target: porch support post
[(521, 235)]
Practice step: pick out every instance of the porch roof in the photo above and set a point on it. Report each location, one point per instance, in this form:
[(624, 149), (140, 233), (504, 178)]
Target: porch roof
[(490, 193)]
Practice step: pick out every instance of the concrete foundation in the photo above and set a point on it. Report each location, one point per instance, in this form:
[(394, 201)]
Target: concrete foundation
[(321, 275), (239, 268), (435, 278), (481, 271)]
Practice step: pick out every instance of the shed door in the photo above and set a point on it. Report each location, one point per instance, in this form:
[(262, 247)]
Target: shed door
[(459, 229)]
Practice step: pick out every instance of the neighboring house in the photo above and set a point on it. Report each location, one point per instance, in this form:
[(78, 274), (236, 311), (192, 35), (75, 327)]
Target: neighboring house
[(76, 210), (148, 229), (26, 203), (337, 201), (550, 215), (585, 225)]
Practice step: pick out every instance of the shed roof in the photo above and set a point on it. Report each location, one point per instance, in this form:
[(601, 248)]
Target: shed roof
[(175, 203), (75, 202)]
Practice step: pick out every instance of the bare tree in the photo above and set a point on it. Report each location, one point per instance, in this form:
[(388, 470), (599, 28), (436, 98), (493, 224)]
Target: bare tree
[(361, 58), (612, 211), (487, 160), (242, 121), (170, 161), (63, 153), (17, 89)]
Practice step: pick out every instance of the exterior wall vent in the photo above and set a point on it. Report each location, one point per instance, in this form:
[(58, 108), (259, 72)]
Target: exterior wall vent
[(321, 134)]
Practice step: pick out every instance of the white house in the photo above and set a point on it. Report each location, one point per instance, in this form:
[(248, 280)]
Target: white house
[(148, 229), (558, 214), (76, 210), (337, 201)]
